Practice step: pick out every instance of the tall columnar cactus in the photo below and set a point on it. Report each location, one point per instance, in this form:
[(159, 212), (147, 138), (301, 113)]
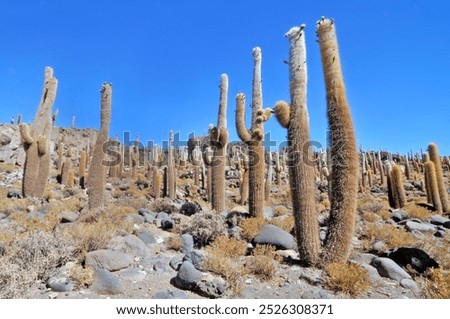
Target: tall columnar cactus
[(269, 175), (432, 186), (66, 167), (436, 159), (97, 170), (207, 159), (396, 189), (196, 158), (170, 172), (82, 169), (36, 141), (254, 137), (344, 154), (301, 172), (156, 184), (244, 180), (219, 139)]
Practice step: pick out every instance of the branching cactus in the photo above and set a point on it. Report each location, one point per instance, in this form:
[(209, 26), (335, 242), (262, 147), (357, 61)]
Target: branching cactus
[(36, 141), (436, 159), (432, 186), (244, 181), (301, 171), (218, 140), (170, 174), (344, 153), (97, 170), (253, 137)]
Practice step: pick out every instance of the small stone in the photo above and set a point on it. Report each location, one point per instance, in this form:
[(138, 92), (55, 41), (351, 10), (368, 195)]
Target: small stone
[(248, 281), (162, 215), (147, 237), (106, 283), (68, 217), (176, 262), (53, 295), (438, 220), (187, 277), (132, 274), (188, 243), (170, 294), (422, 227), (409, 284), (60, 284), (447, 225), (167, 224)]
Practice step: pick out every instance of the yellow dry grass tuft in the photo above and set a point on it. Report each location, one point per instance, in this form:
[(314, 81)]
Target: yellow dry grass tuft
[(82, 277), (286, 223), (100, 229), (223, 259), (263, 263), (389, 234), (175, 242), (347, 278), (418, 212), (437, 285), (251, 227)]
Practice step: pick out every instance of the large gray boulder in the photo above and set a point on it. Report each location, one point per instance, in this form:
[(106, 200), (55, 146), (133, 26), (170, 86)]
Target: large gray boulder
[(108, 259), (388, 268), (272, 235)]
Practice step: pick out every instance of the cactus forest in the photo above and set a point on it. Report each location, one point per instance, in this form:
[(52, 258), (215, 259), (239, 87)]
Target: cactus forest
[(85, 215)]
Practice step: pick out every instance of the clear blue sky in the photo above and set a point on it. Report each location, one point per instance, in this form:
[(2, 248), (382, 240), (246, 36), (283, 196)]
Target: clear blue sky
[(165, 58)]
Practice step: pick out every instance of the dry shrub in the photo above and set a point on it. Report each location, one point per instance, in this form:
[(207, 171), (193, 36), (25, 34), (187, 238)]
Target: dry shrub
[(263, 263), (222, 258), (389, 234), (371, 205), (437, 285), (370, 217), (228, 247), (347, 278), (11, 205), (418, 212), (251, 227), (101, 228), (26, 222), (164, 205), (82, 277), (175, 243), (7, 167), (205, 227), (286, 223), (71, 204), (30, 260)]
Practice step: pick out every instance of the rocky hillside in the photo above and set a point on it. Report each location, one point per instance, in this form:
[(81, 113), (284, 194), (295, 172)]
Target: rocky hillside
[(140, 246)]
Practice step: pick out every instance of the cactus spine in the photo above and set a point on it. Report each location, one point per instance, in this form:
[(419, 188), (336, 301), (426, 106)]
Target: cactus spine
[(436, 159), (35, 140), (344, 154), (254, 137), (432, 186), (97, 173), (301, 173), (219, 140)]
